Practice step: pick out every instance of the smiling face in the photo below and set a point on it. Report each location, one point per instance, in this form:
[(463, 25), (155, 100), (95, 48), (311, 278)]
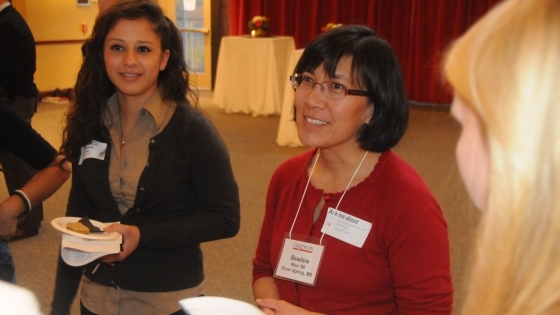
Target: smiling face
[(134, 58), (472, 153), (327, 123)]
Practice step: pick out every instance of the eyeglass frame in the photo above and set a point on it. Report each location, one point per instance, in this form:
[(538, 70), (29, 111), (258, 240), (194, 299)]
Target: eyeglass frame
[(294, 79)]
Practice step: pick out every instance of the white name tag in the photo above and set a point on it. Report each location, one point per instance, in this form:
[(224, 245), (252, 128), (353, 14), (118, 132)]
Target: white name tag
[(345, 227), (299, 261), (94, 150)]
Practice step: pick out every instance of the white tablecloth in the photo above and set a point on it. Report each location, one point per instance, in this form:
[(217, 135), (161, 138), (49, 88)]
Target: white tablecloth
[(287, 132), (251, 74)]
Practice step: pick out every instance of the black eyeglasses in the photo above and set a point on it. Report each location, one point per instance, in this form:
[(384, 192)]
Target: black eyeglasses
[(330, 89)]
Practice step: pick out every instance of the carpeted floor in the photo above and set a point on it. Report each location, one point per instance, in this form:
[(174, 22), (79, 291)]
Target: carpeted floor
[(428, 145)]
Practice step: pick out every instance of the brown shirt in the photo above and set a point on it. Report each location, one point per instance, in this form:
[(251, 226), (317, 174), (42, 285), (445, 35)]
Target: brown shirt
[(129, 155)]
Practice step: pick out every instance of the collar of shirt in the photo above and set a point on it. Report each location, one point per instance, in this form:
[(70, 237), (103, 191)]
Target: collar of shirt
[(155, 106), (3, 6)]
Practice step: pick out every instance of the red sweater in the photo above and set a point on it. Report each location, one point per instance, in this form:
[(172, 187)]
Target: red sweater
[(403, 266)]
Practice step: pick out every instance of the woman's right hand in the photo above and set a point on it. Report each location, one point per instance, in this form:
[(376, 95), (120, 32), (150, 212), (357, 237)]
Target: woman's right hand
[(131, 238), (265, 288)]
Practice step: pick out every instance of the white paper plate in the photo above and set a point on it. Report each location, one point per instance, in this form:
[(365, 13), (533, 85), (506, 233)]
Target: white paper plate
[(60, 224), (214, 305)]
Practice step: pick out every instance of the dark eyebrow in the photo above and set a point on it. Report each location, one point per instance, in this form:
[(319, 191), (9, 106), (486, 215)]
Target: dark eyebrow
[(122, 40), (146, 42)]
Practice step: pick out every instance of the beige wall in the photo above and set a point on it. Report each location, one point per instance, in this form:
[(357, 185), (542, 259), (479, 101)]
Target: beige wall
[(57, 20), (61, 20), (57, 66)]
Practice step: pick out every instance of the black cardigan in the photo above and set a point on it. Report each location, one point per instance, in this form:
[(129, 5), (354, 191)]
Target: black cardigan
[(186, 195)]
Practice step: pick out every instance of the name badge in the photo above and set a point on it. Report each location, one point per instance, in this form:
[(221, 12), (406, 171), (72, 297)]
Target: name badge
[(94, 150), (345, 227), (299, 261)]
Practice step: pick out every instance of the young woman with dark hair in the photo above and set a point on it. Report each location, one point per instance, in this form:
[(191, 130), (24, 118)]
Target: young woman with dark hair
[(145, 157)]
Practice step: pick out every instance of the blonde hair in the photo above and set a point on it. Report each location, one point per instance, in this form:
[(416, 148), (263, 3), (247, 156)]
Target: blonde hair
[(507, 69)]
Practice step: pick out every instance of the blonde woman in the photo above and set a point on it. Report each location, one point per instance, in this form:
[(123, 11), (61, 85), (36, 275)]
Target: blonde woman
[(505, 72)]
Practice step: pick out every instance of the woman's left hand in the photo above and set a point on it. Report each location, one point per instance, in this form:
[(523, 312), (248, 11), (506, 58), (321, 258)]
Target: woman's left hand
[(131, 237), (280, 307)]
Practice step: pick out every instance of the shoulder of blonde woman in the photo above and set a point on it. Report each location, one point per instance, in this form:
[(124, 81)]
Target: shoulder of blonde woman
[(15, 300)]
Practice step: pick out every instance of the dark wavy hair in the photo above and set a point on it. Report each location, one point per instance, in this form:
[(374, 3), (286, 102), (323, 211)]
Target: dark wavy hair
[(375, 68), (93, 87)]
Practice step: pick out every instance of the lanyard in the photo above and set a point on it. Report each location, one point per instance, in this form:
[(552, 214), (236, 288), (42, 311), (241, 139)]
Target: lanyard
[(307, 185)]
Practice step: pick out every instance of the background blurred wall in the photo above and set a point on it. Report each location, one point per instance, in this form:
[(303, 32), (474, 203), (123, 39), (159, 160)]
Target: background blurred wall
[(58, 28)]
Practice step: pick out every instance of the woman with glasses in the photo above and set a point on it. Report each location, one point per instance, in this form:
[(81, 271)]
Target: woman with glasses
[(350, 227)]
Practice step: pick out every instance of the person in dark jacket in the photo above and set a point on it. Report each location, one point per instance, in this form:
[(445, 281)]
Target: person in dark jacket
[(144, 156), (19, 137), (17, 68)]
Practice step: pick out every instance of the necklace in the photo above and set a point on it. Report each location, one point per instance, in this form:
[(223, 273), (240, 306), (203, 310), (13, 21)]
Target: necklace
[(123, 138)]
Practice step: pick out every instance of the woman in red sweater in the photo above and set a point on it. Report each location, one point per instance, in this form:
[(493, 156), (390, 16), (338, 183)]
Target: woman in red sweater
[(350, 227)]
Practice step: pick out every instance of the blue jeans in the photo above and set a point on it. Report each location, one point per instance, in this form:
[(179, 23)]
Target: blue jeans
[(7, 267)]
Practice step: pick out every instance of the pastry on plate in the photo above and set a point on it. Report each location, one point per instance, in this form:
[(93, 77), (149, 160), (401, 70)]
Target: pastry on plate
[(77, 227)]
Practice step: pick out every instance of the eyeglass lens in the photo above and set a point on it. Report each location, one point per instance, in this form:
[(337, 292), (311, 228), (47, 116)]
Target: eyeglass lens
[(330, 89)]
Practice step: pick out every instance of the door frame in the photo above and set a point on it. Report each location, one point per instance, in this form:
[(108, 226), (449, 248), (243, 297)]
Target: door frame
[(211, 42)]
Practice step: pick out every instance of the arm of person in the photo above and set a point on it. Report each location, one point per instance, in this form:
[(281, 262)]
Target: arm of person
[(268, 299), (418, 254), (40, 187), (265, 288), (20, 138), (263, 282), (215, 189)]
